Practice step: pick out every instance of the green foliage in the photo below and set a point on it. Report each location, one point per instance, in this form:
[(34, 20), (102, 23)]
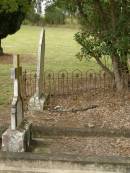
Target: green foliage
[(104, 33), (54, 15), (104, 28), (67, 6), (12, 13), (14, 5), (91, 46)]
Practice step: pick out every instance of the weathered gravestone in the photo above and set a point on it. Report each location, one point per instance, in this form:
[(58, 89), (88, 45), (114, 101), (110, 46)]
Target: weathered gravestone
[(17, 137), (17, 114), (38, 100)]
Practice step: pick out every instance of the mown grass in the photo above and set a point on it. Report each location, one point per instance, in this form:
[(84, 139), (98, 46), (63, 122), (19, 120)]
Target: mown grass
[(61, 49), (5, 84), (25, 41)]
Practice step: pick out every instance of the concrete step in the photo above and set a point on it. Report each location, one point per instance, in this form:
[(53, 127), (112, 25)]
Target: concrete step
[(26, 166), (57, 169), (82, 146)]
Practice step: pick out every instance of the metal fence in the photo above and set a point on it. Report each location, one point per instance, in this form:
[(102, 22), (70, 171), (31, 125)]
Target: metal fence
[(28, 87), (75, 86), (77, 82), (70, 89)]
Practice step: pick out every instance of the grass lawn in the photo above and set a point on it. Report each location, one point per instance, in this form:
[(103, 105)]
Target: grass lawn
[(61, 49), (25, 41)]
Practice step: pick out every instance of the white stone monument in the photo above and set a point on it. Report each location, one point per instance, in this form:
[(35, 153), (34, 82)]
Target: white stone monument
[(40, 64), (37, 101), (17, 138), (17, 113)]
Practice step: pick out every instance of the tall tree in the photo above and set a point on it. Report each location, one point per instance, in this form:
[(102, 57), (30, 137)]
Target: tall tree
[(39, 6), (105, 32), (54, 15), (68, 7), (12, 13)]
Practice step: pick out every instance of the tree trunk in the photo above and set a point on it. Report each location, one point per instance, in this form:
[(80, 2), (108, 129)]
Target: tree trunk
[(71, 17), (121, 71), (1, 49)]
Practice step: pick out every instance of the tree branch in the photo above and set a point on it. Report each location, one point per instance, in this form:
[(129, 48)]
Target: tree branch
[(106, 69), (113, 17)]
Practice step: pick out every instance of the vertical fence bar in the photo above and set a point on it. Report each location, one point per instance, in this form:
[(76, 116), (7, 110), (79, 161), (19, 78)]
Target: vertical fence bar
[(76, 85)]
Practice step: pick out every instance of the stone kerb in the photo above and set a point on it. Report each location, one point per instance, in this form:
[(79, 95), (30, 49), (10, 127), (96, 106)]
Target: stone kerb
[(17, 137), (37, 101)]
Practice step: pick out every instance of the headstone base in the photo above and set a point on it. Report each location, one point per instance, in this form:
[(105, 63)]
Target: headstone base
[(17, 140), (36, 103)]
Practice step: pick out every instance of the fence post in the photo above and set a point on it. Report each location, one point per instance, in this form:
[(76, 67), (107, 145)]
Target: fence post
[(37, 101)]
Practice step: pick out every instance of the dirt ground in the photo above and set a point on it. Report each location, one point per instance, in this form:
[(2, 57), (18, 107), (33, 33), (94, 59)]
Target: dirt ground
[(110, 112), (6, 59), (24, 58)]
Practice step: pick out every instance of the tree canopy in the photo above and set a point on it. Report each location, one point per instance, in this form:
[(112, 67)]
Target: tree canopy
[(54, 15), (104, 32), (12, 13)]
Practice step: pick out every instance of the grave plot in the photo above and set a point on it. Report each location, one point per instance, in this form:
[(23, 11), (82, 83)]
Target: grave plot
[(76, 88), (82, 116), (82, 100), (75, 117), (112, 115)]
